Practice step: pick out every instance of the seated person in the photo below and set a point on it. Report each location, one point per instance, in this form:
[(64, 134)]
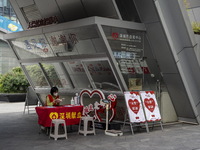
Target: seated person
[(53, 98)]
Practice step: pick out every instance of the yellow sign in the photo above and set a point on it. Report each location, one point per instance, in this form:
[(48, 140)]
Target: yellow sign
[(53, 115), (67, 115)]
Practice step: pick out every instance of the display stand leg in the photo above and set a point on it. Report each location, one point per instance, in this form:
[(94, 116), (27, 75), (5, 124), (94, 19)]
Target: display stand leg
[(147, 128), (24, 108), (161, 125), (28, 109), (146, 125), (131, 128), (125, 118), (153, 125)]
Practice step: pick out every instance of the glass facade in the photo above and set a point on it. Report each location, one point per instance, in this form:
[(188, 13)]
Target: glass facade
[(7, 58), (37, 77), (77, 74), (32, 47), (62, 43), (53, 76), (7, 11), (74, 71), (78, 69), (102, 75), (75, 41), (91, 56), (128, 49)]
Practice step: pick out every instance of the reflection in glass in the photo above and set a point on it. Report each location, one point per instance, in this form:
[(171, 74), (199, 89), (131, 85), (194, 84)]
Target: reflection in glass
[(84, 40), (77, 41), (127, 41), (77, 74), (102, 75), (32, 47), (128, 49), (36, 75), (52, 75)]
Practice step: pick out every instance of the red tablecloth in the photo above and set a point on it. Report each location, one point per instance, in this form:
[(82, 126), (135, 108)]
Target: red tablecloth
[(71, 114)]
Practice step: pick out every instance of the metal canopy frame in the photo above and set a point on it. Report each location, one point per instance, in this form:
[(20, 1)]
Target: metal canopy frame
[(77, 24), (99, 22)]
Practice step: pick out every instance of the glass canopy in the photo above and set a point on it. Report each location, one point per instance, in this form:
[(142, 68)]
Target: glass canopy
[(83, 56)]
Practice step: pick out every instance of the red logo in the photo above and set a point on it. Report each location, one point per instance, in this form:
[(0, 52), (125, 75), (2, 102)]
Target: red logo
[(134, 105), (149, 104), (45, 50), (115, 35), (145, 70)]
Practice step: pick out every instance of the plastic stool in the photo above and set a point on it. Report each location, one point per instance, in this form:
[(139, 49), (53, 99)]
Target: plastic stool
[(56, 123), (85, 129)]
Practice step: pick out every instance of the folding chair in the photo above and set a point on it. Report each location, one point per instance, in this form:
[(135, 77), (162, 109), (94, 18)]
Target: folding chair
[(31, 100)]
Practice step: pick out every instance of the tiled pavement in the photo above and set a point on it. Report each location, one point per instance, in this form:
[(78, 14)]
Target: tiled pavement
[(20, 131)]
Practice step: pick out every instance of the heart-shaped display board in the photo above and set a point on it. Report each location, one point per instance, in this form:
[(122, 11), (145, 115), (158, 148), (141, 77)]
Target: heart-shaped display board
[(150, 104), (91, 94), (134, 105)]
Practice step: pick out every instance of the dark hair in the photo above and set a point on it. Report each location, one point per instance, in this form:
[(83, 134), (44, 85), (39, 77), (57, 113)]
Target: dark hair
[(53, 90)]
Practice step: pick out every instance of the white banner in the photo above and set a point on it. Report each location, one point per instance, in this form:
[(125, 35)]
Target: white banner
[(134, 105), (150, 106)]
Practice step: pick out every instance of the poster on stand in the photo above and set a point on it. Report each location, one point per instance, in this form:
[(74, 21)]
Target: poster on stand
[(134, 106), (150, 106)]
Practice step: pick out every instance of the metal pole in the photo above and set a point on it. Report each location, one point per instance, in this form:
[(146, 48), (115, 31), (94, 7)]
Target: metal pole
[(107, 107)]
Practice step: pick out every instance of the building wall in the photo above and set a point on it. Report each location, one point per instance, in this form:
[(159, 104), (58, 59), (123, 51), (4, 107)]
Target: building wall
[(7, 58), (168, 31), (170, 34)]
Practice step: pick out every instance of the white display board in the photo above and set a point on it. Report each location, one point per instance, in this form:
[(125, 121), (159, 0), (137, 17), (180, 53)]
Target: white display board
[(150, 106), (134, 106)]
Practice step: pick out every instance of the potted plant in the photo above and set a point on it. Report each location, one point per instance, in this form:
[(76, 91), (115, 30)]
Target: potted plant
[(196, 27), (13, 86)]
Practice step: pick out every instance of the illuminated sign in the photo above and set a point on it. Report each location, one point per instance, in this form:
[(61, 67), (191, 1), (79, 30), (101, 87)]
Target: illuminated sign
[(9, 25), (127, 37), (127, 42)]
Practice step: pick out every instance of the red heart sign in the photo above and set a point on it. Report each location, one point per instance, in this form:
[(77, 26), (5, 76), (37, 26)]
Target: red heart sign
[(149, 104), (134, 105), (91, 94)]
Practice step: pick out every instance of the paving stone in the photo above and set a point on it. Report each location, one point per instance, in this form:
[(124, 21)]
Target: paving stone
[(20, 131)]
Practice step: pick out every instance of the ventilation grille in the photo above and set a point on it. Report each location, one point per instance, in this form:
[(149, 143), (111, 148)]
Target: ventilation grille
[(31, 13)]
